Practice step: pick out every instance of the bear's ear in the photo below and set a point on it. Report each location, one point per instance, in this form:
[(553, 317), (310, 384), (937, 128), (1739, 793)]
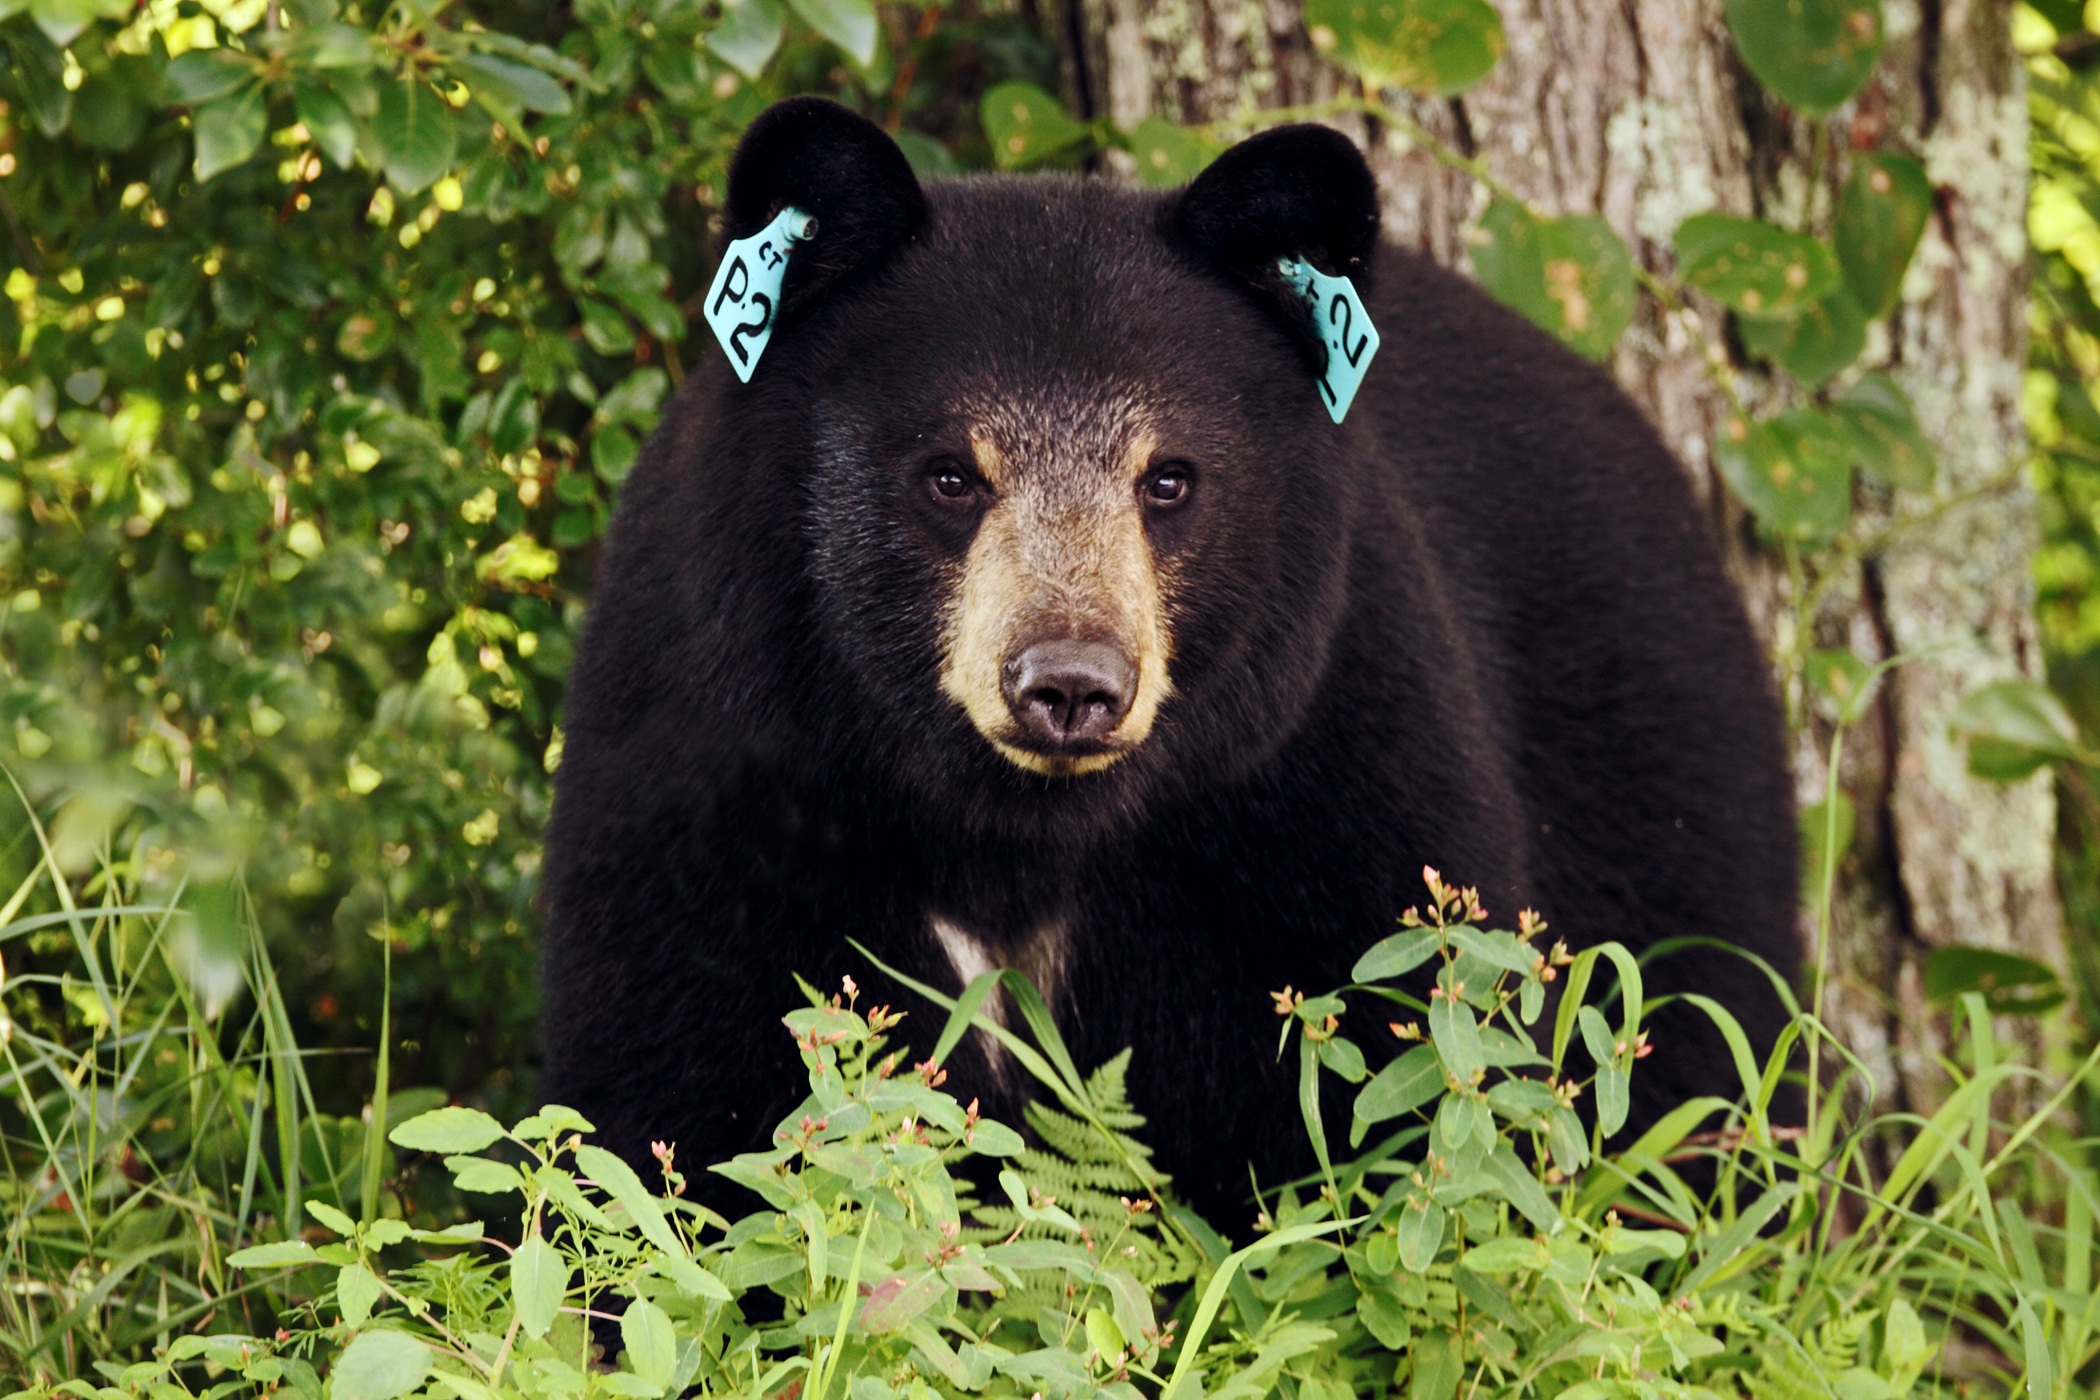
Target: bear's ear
[(1294, 192), (835, 165)]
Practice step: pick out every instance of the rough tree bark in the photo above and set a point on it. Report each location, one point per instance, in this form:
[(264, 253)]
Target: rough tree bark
[(1639, 110)]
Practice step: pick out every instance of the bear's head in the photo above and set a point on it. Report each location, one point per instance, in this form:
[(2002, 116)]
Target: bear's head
[(1073, 519)]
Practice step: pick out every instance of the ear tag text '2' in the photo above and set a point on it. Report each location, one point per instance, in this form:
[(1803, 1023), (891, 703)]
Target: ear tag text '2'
[(744, 298), (1345, 329)]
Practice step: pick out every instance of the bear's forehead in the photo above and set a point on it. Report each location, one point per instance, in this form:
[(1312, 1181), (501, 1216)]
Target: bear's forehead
[(1046, 267), (1049, 314)]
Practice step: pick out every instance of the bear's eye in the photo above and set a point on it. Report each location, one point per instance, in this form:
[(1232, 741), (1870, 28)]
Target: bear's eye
[(1168, 487), (950, 482)]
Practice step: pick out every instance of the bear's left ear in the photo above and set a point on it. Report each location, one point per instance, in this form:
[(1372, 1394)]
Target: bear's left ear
[(1294, 192), (835, 165)]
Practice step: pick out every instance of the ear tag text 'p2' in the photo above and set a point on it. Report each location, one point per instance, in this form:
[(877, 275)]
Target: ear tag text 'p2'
[(1344, 327), (745, 295)]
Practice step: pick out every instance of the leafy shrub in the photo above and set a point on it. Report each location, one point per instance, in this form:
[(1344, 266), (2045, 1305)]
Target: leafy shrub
[(329, 332), (1494, 1244)]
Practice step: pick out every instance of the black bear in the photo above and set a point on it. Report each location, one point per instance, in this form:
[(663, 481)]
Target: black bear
[(1028, 607)]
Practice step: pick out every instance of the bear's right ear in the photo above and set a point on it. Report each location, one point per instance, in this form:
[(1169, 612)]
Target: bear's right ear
[(836, 165), (1295, 192)]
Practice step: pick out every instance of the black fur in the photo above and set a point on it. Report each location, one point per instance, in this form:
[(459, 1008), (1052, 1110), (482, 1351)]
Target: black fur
[(1480, 625)]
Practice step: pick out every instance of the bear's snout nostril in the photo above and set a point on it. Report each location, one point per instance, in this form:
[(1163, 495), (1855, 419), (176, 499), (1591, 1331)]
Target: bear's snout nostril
[(1069, 695)]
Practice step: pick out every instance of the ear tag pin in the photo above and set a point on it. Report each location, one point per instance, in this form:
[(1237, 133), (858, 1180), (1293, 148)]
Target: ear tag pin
[(745, 294), (1344, 327)]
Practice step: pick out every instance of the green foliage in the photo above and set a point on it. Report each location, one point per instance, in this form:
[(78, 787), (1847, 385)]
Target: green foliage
[(1812, 54), (203, 1233), (328, 336), (329, 333), (1088, 1171), (1433, 46), (1757, 270), (1026, 125), (1571, 275)]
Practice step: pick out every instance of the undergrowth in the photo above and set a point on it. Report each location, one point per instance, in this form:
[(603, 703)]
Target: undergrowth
[(184, 1220)]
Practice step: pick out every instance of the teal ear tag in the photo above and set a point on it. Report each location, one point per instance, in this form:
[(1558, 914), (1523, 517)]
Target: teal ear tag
[(1343, 325), (746, 291)]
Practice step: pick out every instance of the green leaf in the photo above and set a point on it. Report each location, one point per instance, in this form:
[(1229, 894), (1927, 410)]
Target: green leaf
[(925, 155), (379, 1365), (617, 1179), (848, 23), (1497, 948), (1567, 1142), (1881, 215), (63, 20), (482, 1175), (331, 44), (328, 121), (896, 1300), (1439, 1366), (1794, 472), (356, 1290), (1815, 345), (416, 134), (1505, 1256), (538, 1279), (1167, 155), (1433, 46), (465, 1232), (447, 1130), (1521, 1188), (1614, 1098), (1838, 674), (1570, 276), (1386, 1318), (1402, 1086), (1501, 1050), (1755, 268), (1464, 1117), (1421, 1227), (108, 115), (332, 1218), (990, 1139), (228, 129), (38, 69), (1456, 1036), (1887, 442), (514, 420), (1903, 1338), (613, 451), (551, 1122), (1026, 125), (203, 74), (652, 1348), (511, 84), (365, 336), (282, 1254), (605, 328), (1390, 957), (2013, 728), (1812, 54), (748, 35), (1343, 1058), (2011, 985), (1522, 1101)]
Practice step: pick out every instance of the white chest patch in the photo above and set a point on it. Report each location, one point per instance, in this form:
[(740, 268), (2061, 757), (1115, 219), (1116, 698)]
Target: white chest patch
[(1040, 957), (970, 958)]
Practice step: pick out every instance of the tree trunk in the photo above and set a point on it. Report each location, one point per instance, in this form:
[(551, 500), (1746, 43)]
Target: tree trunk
[(1641, 112)]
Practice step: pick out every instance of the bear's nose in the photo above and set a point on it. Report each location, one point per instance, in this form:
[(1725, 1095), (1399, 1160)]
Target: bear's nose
[(1069, 694)]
